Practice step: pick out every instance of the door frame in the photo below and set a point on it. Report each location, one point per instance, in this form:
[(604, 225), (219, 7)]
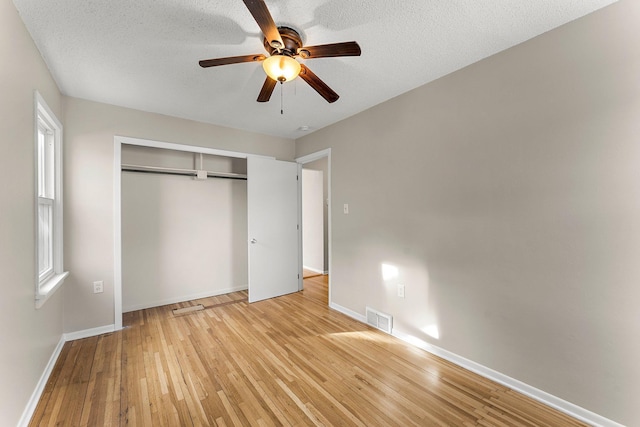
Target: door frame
[(118, 141), (302, 161)]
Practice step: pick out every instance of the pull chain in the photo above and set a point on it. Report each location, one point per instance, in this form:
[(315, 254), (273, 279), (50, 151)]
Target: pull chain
[(281, 100)]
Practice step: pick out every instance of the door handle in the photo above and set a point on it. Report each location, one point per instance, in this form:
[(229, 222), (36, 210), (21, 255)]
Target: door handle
[(254, 241)]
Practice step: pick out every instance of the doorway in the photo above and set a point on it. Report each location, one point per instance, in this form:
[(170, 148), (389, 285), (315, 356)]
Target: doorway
[(315, 213)]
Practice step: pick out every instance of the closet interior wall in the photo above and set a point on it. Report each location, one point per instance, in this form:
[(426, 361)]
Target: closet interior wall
[(182, 238)]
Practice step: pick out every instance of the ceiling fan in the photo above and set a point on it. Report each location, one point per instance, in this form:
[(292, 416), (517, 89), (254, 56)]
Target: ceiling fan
[(284, 44)]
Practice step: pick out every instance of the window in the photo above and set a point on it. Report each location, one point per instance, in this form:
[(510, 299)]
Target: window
[(48, 140)]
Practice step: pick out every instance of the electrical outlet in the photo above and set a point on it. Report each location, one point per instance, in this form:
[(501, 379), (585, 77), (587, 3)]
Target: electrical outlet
[(401, 291), (98, 287)]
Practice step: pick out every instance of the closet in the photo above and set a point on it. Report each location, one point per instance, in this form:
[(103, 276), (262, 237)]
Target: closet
[(184, 230)]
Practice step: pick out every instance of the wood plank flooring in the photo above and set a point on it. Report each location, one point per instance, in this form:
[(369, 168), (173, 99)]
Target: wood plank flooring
[(285, 361), (307, 274)]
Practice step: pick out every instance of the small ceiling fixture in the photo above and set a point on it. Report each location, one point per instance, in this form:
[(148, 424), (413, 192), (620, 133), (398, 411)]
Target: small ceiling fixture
[(281, 68)]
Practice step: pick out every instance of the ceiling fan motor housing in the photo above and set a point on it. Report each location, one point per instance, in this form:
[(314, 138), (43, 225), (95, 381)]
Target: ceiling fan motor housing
[(291, 39)]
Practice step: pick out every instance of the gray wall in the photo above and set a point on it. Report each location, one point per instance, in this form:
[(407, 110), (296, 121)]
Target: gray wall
[(182, 238), (90, 128), (28, 336), (507, 194)]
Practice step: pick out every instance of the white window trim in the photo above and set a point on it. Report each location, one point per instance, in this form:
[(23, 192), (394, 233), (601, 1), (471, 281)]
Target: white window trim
[(45, 288)]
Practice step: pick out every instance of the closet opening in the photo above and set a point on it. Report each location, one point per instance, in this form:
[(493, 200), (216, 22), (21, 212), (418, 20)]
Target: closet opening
[(166, 206), (184, 226)]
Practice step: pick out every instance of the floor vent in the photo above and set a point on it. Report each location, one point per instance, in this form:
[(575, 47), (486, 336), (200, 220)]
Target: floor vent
[(379, 320)]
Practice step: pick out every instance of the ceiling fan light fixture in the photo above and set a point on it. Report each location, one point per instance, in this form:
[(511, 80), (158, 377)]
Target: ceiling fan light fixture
[(281, 68)]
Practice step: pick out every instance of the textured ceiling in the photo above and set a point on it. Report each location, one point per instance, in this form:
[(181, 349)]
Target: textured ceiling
[(144, 54)]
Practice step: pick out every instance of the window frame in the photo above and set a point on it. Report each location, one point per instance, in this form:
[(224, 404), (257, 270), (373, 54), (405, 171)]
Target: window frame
[(47, 123)]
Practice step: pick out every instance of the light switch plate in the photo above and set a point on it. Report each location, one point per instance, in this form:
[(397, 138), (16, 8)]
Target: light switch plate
[(401, 291)]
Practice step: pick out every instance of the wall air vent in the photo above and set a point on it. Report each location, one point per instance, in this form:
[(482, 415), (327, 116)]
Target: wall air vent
[(379, 320)]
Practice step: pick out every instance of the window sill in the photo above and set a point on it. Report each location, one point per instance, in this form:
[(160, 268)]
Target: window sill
[(49, 287)]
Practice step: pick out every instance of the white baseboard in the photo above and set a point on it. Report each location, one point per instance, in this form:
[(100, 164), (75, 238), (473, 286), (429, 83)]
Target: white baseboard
[(359, 317), (315, 270), (37, 393), (78, 335), (561, 405), (42, 382), (541, 396), (183, 298)]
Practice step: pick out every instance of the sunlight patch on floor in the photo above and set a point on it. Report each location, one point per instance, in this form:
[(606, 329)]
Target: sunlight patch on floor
[(359, 335)]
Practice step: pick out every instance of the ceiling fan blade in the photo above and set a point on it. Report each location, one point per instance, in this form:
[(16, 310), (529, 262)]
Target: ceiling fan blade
[(321, 87), (231, 60), (267, 90), (261, 14), (330, 50)]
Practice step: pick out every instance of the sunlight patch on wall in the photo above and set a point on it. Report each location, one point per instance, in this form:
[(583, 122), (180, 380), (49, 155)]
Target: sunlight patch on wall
[(389, 272), (432, 331)]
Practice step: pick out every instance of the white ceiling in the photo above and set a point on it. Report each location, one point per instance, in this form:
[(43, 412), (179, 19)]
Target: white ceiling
[(144, 54)]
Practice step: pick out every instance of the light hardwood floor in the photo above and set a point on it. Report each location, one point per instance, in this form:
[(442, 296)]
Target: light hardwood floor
[(285, 361), (307, 274)]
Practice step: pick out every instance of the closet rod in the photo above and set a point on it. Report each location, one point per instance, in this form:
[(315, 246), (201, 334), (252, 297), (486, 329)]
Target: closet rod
[(176, 171)]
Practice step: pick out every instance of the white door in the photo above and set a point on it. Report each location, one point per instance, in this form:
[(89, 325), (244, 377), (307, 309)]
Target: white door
[(272, 201)]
